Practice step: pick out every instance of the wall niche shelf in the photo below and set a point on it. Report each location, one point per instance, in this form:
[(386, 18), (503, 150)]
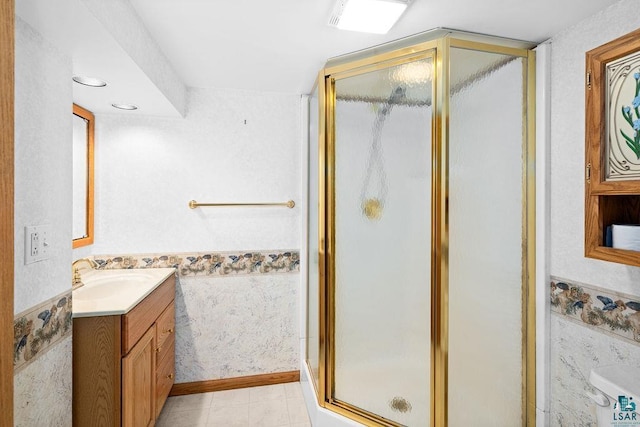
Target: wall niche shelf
[(612, 136)]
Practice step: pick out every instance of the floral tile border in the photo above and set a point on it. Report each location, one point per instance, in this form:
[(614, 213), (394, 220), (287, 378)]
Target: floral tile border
[(39, 328), (611, 312), (209, 263)]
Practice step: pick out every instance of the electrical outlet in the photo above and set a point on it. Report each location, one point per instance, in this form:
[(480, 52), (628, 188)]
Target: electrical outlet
[(36, 243)]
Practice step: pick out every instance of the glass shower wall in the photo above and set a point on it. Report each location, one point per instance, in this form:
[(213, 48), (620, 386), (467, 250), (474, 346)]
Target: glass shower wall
[(382, 241), (486, 208), (425, 200)]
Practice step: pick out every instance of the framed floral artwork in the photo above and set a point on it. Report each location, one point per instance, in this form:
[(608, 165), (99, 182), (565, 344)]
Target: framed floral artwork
[(623, 118), (613, 110)]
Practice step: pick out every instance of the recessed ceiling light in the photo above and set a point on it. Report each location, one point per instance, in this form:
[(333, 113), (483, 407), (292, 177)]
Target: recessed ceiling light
[(367, 16), (125, 106), (89, 81)]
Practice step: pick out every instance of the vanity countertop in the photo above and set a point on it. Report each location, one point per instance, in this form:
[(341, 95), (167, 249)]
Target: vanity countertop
[(115, 292)]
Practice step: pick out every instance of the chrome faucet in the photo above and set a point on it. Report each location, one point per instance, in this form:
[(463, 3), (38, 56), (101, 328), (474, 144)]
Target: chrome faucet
[(78, 265)]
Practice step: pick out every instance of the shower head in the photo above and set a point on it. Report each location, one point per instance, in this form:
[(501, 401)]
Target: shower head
[(372, 207), (397, 95)]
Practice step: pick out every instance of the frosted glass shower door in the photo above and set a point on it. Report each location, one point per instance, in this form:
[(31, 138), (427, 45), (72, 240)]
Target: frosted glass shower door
[(381, 224)]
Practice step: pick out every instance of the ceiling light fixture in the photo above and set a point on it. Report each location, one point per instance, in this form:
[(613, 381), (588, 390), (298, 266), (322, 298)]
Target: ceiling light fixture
[(367, 16), (89, 81), (125, 106)]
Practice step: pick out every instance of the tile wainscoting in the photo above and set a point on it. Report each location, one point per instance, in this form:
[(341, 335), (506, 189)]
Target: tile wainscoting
[(590, 327), (42, 359), (241, 307), (39, 328), (236, 326), (42, 391), (236, 312)]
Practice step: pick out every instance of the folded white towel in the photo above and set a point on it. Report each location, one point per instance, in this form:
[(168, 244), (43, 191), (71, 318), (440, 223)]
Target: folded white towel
[(626, 237)]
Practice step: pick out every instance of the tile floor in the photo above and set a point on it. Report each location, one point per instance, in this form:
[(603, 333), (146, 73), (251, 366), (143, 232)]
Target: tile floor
[(280, 405)]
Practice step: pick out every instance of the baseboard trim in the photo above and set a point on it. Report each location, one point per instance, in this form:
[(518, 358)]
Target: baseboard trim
[(234, 383)]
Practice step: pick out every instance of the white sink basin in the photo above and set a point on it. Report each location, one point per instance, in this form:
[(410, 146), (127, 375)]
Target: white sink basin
[(105, 289), (115, 278), (111, 292)]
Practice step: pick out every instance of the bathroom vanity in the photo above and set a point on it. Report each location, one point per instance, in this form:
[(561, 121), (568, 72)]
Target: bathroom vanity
[(123, 347)]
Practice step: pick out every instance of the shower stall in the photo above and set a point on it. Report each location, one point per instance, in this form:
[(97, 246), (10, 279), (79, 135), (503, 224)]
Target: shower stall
[(420, 308)]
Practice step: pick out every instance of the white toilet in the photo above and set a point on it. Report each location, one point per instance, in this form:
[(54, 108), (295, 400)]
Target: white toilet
[(617, 395)]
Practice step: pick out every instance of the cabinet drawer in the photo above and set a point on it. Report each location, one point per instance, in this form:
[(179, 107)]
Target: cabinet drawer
[(169, 347), (165, 376), (142, 316), (166, 326)]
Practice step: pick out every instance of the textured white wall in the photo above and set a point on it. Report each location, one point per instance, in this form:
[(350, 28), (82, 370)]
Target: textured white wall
[(43, 164), (575, 350), (147, 169), (43, 138)]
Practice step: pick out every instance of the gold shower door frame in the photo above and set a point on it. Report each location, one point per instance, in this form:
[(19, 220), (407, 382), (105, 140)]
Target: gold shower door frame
[(439, 51)]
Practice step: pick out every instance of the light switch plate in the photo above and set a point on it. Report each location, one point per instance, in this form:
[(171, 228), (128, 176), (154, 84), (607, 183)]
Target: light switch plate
[(36, 243)]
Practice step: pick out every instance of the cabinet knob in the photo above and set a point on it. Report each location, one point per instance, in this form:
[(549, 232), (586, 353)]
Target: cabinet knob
[(170, 376), (168, 331), (158, 349)]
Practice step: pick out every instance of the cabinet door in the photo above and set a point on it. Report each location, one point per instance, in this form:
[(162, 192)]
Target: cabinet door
[(139, 383), (612, 190)]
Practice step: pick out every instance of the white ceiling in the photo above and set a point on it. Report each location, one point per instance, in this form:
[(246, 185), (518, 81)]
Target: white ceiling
[(277, 45), (280, 45), (76, 32)]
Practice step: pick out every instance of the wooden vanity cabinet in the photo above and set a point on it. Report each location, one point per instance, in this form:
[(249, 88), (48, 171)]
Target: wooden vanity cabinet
[(123, 365)]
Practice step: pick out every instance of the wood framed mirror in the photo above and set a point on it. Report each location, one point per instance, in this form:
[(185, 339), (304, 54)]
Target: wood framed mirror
[(83, 171)]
